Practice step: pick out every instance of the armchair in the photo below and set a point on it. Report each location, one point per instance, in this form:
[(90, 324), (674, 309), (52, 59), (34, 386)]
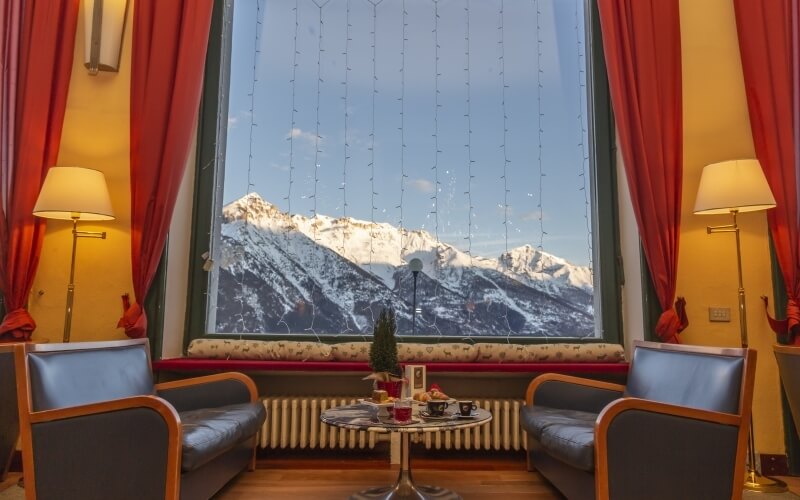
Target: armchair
[(94, 426), (677, 429)]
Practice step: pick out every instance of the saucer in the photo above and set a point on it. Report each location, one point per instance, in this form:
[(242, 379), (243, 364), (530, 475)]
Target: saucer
[(427, 416), (474, 414)]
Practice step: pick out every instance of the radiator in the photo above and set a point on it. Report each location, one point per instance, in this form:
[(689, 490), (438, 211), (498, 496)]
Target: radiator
[(294, 423)]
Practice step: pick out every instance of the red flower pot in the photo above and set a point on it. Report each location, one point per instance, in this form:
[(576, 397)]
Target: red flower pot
[(392, 388)]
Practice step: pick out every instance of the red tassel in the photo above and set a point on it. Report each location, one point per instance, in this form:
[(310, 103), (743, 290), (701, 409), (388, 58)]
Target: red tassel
[(133, 319)]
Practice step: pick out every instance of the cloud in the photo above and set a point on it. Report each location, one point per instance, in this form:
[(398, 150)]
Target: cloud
[(232, 120), (422, 185), (299, 134)]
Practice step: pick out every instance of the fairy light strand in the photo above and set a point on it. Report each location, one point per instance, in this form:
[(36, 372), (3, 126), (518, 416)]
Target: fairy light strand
[(540, 128), (250, 183), (293, 81), (346, 98), (317, 136), (583, 130), (506, 161), (504, 86), (468, 115), (436, 150), (371, 148), (402, 127)]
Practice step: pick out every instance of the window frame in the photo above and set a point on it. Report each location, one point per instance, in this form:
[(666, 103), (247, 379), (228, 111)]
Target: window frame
[(208, 195)]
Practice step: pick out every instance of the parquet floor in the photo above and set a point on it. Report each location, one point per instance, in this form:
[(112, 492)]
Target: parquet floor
[(337, 484)]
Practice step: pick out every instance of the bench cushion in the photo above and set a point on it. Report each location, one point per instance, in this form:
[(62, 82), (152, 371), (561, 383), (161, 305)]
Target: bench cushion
[(567, 435), (210, 432)]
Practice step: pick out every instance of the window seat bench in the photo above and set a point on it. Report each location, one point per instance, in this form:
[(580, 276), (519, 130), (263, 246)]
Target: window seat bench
[(250, 365)]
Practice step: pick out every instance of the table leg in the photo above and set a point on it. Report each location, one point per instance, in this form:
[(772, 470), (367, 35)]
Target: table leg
[(405, 488)]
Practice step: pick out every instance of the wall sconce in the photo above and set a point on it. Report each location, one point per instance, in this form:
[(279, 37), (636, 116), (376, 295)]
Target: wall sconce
[(104, 21)]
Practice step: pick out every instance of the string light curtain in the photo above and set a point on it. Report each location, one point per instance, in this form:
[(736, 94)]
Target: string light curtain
[(642, 44), (37, 48), (767, 32), (169, 52)]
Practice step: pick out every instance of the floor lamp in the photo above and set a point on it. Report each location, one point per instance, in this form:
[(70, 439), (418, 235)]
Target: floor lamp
[(76, 194), (733, 187)]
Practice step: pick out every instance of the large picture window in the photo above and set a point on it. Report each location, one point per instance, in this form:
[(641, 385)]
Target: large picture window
[(438, 157)]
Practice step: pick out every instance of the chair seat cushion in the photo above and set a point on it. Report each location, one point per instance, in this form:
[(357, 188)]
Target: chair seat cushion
[(567, 435), (210, 432)]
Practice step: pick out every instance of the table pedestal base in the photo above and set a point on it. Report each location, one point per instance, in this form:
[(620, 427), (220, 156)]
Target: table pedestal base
[(405, 488)]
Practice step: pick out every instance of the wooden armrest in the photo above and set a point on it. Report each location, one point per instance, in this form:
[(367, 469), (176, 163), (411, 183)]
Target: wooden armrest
[(570, 379), (619, 406), (164, 409), (210, 379), (159, 405)]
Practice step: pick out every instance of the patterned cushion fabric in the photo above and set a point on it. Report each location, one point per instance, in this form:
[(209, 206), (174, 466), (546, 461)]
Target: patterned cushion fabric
[(304, 351), (576, 353), (503, 353), (351, 351), (407, 352), (450, 352), (234, 349)]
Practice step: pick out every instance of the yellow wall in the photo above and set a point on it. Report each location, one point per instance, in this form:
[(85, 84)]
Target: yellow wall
[(717, 127), (95, 135)]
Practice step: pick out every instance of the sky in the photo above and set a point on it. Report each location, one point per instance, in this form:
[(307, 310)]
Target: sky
[(485, 148)]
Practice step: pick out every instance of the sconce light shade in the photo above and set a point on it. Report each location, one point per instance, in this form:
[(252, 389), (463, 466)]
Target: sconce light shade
[(731, 185), (104, 21), (74, 192)]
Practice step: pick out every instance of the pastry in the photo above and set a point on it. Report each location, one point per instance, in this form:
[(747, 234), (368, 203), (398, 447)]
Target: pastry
[(380, 396)]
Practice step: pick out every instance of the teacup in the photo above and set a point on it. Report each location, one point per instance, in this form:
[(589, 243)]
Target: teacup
[(436, 408), (466, 408)]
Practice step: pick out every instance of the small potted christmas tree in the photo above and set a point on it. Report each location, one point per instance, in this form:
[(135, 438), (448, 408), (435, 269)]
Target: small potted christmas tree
[(383, 355)]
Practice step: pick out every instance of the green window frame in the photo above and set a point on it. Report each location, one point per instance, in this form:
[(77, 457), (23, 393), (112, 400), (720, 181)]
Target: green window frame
[(207, 198)]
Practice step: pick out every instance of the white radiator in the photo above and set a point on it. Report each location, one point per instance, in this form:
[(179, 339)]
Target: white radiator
[(294, 423)]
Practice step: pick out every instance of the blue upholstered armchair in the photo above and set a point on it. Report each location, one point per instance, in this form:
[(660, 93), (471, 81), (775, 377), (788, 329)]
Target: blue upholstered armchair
[(94, 426), (677, 429)]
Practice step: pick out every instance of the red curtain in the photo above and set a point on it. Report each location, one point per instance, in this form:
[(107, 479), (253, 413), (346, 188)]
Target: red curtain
[(766, 46), (36, 52), (642, 45), (169, 49)]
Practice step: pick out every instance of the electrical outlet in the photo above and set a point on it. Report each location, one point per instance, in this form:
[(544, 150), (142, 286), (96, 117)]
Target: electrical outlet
[(719, 314)]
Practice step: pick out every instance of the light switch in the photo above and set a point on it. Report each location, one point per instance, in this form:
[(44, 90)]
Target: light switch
[(719, 314)]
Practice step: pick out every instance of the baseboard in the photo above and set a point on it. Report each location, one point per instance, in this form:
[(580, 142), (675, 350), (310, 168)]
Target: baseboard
[(774, 465)]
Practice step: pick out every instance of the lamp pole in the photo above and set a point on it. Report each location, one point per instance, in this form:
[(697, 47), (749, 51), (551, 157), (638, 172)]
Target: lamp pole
[(416, 266), (753, 479), (71, 286)]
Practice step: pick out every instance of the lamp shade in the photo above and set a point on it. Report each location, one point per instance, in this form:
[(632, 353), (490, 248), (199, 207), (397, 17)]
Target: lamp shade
[(74, 192), (733, 185)]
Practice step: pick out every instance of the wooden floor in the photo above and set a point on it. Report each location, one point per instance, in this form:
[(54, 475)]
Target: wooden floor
[(339, 475), (340, 484)]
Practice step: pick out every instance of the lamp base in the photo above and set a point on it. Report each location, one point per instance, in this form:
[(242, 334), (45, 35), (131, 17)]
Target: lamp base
[(754, 481)]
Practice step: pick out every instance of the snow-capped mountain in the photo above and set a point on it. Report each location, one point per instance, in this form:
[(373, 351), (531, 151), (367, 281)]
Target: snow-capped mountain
[(289, 273)]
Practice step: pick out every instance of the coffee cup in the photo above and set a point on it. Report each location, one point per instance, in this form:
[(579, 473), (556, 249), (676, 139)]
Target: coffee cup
[(466, 408), (436, 408)]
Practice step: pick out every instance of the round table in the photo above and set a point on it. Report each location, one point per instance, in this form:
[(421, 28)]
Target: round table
[(365, 417)]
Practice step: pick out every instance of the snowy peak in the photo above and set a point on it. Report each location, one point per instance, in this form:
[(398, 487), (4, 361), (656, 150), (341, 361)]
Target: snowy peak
[(380, 248)]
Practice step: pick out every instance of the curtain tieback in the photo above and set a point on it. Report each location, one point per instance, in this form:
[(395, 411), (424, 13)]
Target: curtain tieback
[(672, 322), (18, 324), (787, 330), (133, 319)]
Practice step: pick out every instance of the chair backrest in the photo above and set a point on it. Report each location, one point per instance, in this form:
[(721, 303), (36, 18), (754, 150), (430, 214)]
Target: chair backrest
[(707, 378), (788, 358), (64, 375)]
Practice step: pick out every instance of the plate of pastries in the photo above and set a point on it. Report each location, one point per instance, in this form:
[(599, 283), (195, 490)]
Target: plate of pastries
[(379, 398), (435, 393)]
